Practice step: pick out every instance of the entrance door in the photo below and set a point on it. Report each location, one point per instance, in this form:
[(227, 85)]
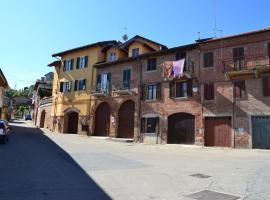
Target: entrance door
[(261, 132), (73, 122), (102, 120), (181, 128), (218, 131), (126, 120), (42, 119)]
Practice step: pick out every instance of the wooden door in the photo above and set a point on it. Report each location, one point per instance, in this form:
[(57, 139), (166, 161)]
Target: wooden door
[(102, 120), (126, 120), (73, 123), (218, 131), (181, 129), (42, 119)]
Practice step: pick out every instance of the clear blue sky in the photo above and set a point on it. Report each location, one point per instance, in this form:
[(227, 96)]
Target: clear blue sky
[(31, 30)]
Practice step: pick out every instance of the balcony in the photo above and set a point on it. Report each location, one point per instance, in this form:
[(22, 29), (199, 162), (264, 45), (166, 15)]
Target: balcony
[(46, 100), (124, 88), (101, 90), (248, 67)]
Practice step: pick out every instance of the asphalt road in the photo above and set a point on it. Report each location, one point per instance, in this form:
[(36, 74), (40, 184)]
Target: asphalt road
[(33, 167)]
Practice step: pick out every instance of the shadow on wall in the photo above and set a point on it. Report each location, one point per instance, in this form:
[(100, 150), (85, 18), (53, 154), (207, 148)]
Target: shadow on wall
[(40, 169)]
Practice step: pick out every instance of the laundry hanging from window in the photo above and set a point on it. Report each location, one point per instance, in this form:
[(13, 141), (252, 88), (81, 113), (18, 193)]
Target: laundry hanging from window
[(173, 69)]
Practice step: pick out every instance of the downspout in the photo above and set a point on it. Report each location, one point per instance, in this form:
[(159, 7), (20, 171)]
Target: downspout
[(140, 138), (91, 86)]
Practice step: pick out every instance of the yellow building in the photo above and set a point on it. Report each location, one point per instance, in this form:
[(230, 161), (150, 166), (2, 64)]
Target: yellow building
[(74, 78)]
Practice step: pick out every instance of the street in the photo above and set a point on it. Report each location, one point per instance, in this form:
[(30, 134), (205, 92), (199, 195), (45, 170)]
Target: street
[(36, 165)]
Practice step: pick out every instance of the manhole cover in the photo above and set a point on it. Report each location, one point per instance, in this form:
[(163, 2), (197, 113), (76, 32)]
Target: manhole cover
[(200, 175), (211, 195)]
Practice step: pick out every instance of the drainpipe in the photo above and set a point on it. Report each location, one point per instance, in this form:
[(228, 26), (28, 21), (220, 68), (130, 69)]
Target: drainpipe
[(91, 86), (140, 103)]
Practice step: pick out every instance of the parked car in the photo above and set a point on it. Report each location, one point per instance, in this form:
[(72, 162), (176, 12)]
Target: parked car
[(4, 131), (28, 117)]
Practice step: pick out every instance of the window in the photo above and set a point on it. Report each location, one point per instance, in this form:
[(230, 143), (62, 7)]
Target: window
[(209, 91), (126, 78), (80, 85), (65, 86), (151, 92), (149, 125), (68, 65), (103, 82), (82, 62), (238, 57), (208, 59), (181, 89), (135, 52), (113, 56), (239, 89), (266, 86), (151, 64)]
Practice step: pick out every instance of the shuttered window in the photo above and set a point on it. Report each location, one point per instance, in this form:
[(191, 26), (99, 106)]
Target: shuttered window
[(151, 64), (135, 52), (82, 62), (65, 86), (239, 89), (266, 86), (180, 89), (238, 53), (151, 92), (80, 85), (68, 65), (208, 59), (209, 91)]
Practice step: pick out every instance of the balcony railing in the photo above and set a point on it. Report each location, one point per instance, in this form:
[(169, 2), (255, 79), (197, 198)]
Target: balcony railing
[(123, 88), (101, 89), (258, 62), (46, 100)]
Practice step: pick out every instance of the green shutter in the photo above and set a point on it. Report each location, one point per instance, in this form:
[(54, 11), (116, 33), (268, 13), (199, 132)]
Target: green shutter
[(78, 62), (86, 61), (72, 62), (61, 86), (76, 85)]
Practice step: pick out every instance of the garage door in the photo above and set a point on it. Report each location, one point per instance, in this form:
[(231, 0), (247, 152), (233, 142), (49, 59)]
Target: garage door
[(261, 132), (218, 131), (126, 120)]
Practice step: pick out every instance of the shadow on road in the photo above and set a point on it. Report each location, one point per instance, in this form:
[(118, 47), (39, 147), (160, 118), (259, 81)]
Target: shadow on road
[(33, 167)]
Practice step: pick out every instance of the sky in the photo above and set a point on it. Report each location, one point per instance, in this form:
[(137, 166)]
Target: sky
[(32, 30)]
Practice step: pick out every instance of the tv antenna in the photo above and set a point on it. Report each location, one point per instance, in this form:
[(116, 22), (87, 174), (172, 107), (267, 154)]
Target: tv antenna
[(125, 36), (215, 20)]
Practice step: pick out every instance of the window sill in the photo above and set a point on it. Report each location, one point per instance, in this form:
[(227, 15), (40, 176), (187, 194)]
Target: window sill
[(151, 100), (209, 101), (151, 71), (210, 68), (181, 98)]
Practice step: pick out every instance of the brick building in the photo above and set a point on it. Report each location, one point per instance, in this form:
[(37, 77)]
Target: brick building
[(235, 90)]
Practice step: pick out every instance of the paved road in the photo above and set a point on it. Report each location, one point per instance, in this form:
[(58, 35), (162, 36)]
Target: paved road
[(32, 167), (36, 166)]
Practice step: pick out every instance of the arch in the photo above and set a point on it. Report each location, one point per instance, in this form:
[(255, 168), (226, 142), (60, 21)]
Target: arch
[(42, 119), (71, 119), (102, 120), (181, 128), (126, 119)]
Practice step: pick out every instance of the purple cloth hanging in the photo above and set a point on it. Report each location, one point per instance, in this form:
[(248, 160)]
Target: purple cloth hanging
[(178, 67)]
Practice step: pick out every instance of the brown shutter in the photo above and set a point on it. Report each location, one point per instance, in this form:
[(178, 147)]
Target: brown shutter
[(205, 89), (211, 91), (266, 89), (61, 86), (158, 91), (143, 92), (64, 67), (189, 87), (75, 85), (143, 125), (172, 89)]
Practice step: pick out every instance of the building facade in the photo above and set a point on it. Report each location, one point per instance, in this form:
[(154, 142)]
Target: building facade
[(222, 98), (73, 79)]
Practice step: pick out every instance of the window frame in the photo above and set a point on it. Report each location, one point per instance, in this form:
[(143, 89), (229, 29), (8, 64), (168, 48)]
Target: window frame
[(151, 64), (153, 92), (207, 62), (145, 123), (137, 50), (242, 90), (206, 87), (113, 56), (184, 82), (67, 86)]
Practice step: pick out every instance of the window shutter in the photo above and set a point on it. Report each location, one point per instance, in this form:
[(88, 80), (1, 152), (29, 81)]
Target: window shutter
[(143, 119), (84, 84), (61, 86), (189, 87), (86, 61), (76, 85), (209, 93), (266, 89), (172, 89), (71, 64), (158, 91), (78, 63), (70, 86), (98, 78), (143, 92), (268, 48), (64, 67)]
